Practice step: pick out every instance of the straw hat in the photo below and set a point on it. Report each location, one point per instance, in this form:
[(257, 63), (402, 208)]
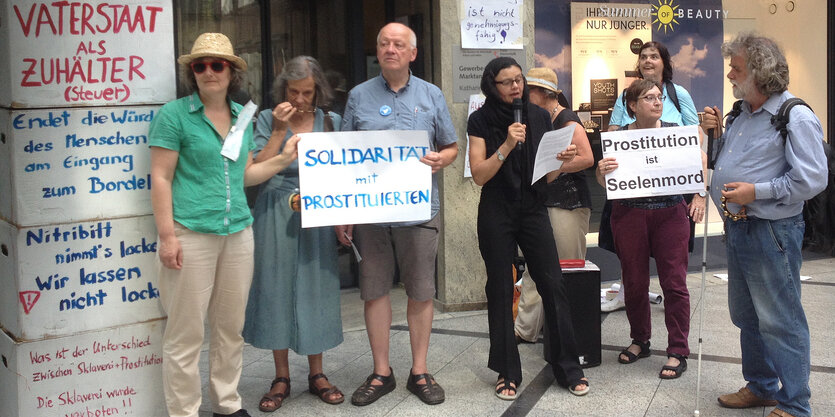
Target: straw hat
[(213, 45), (543, 77)]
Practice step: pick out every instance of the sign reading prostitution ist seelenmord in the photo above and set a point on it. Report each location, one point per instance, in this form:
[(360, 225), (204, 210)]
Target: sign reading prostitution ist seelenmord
[(370, 176), (653, 162)]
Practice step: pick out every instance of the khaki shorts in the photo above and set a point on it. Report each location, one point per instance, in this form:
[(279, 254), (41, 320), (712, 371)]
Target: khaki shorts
[(414, 248)]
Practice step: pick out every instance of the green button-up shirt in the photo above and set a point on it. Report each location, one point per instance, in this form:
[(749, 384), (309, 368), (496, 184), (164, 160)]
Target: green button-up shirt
[(208, 189)]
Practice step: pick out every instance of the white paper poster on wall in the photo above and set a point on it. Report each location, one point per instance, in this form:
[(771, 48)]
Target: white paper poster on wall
[(76, 164), (603, 36), (372, 176), (87, 53), (111, 372), (653, 162), (491, 24), (66, 278), (476, 101)]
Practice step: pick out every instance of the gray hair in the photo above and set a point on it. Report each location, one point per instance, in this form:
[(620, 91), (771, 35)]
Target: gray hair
[(300, 68), (764, 61), (412, 36)]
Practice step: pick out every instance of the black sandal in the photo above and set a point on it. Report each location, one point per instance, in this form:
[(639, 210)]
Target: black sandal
[(277, 398), (324, 394), (504, 384), (367, 393), (677, 370), (572, 387), (631, 357), (431, 393)]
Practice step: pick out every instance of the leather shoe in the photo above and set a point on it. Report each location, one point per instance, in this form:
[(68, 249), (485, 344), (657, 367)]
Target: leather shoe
[(779, 413), (744, 398), (430, 392), (367, 393)]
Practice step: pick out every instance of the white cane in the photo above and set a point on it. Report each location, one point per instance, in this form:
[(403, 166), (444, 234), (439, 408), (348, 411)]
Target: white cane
[(704, 272)]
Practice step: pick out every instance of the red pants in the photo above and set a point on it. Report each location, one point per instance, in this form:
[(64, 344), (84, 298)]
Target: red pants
[(662, 234)]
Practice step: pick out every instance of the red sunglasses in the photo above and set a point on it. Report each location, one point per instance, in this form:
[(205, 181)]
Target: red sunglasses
[(216, 66)]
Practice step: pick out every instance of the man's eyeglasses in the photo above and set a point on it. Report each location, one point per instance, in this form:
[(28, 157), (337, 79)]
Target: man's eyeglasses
[(651, 99), (509, 82), (216, 66)]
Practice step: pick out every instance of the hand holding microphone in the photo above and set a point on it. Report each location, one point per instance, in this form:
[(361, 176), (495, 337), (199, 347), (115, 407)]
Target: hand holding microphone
[(517, 118)]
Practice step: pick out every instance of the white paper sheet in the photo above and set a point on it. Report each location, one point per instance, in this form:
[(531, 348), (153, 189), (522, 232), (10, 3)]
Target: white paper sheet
[(552, 143)]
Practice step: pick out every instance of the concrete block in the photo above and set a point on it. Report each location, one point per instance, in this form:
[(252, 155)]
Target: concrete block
[(86, 54), (103, 373), (63, 279), (64, 165)]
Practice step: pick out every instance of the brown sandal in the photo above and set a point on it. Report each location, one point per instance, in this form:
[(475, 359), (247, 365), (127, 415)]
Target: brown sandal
[(277, 398), (324, 393)]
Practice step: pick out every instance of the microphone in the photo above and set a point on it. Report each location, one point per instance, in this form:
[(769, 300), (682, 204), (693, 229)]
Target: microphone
[(517, 117)]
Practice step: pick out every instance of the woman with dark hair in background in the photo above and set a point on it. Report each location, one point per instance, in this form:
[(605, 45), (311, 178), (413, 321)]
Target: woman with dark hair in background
[(203, 222), (655, 226), (294, 300), (511, 213), (654, 64)]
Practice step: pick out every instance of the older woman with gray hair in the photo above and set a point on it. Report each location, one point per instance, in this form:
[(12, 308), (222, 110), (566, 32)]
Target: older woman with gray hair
[(294, 300)]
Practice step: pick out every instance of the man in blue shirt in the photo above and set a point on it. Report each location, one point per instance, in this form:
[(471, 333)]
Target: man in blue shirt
[(760, 183), (396, 100)]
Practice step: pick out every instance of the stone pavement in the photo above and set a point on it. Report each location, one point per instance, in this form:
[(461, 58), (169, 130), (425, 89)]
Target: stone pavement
[(458, 359)]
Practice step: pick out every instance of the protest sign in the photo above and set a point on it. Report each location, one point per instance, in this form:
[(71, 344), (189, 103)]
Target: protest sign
[(65, 165), (364, 177), (653, 162), (491, 24), (109, 372), (86, 53)]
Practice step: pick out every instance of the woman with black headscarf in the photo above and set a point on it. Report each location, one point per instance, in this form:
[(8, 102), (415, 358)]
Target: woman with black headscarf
[(511, 213)]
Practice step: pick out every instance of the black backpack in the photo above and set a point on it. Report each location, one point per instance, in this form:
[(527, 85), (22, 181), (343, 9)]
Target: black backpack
[(819, 211)]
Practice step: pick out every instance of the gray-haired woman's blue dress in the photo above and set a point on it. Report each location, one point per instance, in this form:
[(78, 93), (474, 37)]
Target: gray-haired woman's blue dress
[(294, 299)]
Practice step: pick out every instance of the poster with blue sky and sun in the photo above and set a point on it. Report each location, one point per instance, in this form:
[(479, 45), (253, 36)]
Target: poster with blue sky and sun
[(692, 31)]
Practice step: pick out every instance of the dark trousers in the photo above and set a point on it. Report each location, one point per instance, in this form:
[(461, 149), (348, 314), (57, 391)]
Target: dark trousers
[(502, 225), (663, 233)]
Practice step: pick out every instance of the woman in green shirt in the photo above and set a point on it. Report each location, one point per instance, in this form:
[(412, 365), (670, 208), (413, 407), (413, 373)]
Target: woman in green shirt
[(205, 238)]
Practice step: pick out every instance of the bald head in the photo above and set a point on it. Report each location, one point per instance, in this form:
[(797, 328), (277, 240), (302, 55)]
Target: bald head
[(395, 50), (396, 28)]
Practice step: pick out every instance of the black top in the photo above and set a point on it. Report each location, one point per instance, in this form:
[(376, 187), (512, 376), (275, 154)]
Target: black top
[(570, 190), (514, 177)]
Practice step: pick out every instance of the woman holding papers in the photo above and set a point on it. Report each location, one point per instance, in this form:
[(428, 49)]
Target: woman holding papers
[(201, 159), (658, 227), (503, 143), (294, 300), (568, 198)]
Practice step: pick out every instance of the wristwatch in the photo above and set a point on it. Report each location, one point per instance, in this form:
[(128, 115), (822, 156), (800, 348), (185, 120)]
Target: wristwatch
[(702, 194), (499, 155)]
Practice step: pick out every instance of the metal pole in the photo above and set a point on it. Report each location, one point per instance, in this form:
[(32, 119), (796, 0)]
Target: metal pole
[(704, 270)]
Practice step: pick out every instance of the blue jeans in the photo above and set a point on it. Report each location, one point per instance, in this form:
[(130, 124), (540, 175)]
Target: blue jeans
[(764, 299)]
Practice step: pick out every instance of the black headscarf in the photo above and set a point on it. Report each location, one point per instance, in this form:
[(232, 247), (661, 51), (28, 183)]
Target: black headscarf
[(515, 174), (498, 112)]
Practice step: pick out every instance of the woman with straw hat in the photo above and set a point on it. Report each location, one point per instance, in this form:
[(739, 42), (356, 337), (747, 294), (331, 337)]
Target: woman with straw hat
[(568, 198), (201, 159)]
